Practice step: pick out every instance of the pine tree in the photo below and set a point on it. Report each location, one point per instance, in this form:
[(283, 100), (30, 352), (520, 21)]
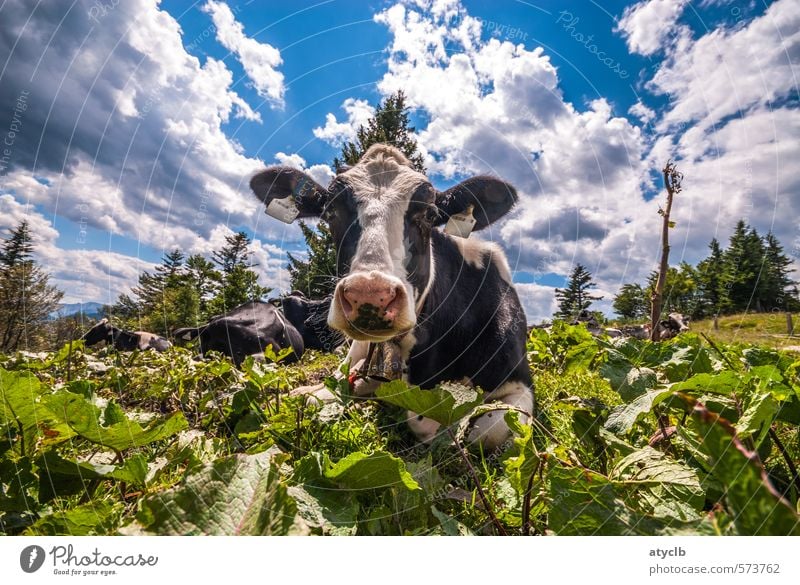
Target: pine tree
[(575, 297), (205, 280), (631, 303), (316, 277), (391, 125), (710, 287), (743, 262), (238, 283), (778, 291), (26, 296)]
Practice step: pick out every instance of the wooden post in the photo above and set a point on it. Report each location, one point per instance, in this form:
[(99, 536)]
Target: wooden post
[(716, 323), (672, 183), (789, 324)]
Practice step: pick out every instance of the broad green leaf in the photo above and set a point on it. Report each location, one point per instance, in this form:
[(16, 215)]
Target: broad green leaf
[(521, 460), (450, 526), (685, 361), (83, 418), (580, 356), (637, 382), (769, 378), (359, 471), (61, 477), (241, 494), (758, 416), (95, 518), (586, 503), (756, 508), (333, 511), (726, 382), (20, 412), (445, 404), (658, 485), (319, 502), (623, 418)]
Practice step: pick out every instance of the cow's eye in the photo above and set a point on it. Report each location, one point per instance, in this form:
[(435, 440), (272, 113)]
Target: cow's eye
[(432, 214)]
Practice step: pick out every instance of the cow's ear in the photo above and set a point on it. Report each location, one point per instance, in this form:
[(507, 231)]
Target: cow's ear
[(488, 198), (288, 193), (186, 333)]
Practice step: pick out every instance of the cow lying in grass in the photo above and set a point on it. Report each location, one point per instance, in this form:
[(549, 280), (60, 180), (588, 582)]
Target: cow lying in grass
[(124, 340), (444, 304), (253, 326)]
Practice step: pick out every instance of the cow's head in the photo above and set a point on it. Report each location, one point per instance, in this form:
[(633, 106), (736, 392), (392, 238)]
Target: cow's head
[(381, 213), (678, 322), (103, 331)]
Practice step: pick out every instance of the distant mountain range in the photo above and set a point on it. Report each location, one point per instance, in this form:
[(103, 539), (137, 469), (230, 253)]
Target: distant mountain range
[(90, 309)]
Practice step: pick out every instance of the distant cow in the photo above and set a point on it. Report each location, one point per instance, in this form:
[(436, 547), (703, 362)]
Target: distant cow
[(444, 304), (636, 331), (124, 340), (674, 324), (247, 330), (310, 318), (593, 325)]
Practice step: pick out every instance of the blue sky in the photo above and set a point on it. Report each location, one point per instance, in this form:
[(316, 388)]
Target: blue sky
[(142, 123)]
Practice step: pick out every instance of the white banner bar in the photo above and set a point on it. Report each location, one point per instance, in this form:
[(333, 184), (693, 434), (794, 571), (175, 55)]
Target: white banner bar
[(398, 560)]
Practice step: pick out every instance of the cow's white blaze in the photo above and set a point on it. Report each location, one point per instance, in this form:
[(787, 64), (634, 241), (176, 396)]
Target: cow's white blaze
[(383, 183)]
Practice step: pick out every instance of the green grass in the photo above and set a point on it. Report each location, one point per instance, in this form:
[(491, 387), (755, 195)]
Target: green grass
[(765, 329)]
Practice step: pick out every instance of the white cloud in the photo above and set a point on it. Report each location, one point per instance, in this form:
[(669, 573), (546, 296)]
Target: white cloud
[(322, 174), (259, 60), (647, 26), (86, 275), (337, 133), (727, 72), (641, 111), (538, 301), (156, 167), (581, 171), (496, 107)]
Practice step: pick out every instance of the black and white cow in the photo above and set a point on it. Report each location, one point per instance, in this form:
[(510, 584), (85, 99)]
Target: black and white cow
[(445, 302), (247, 330), (310, 318), (674, 324), (124, 340), (636, 331)]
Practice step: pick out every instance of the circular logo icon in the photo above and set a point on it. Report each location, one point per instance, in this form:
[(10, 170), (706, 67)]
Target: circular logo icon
[(31, 558)]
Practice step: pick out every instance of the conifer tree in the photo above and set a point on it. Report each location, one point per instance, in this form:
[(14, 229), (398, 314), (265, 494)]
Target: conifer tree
[(238, 283), (576, 297), (743, 262), (631, 303), (710, 287), (26, 296)]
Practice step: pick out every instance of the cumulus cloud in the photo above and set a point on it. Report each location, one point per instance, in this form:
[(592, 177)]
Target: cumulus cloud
[(583, 172), (259, 60), (88, 275), (322, 174), (123, 132), (647, 26), (337, 133), (497, 107), (727, 72)]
